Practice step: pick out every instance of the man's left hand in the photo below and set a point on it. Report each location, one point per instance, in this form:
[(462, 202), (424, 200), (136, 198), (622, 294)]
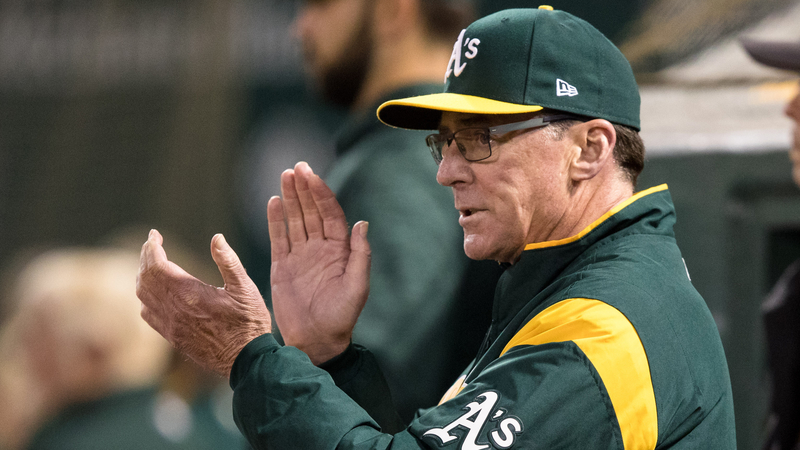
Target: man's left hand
[(209, 324)]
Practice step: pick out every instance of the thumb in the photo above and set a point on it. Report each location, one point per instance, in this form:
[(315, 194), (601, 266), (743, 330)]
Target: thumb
[(360, 256), (230, 267)]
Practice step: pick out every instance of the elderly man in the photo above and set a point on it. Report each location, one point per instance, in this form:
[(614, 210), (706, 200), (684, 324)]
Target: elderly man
[(598, 339), (782, 306)]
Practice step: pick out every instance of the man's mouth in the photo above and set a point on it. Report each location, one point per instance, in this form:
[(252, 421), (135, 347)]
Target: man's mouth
[(466, 212)]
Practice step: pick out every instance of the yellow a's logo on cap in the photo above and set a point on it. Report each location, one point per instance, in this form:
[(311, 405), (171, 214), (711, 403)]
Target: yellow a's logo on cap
[(455, 66)]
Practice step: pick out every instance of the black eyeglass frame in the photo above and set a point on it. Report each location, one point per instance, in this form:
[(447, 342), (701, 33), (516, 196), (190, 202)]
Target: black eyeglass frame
[(435, 140)]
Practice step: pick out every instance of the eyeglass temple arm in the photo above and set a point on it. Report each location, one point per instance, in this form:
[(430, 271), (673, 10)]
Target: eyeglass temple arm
[(532, 123)]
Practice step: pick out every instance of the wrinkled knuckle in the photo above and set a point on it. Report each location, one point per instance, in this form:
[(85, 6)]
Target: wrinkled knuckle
[(146, 275), (232, 266), (252, 292)]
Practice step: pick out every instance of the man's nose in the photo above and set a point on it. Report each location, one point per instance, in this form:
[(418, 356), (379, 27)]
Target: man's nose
[(454, 168)]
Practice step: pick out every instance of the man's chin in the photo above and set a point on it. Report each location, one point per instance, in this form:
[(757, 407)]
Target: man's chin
[(475, 249)]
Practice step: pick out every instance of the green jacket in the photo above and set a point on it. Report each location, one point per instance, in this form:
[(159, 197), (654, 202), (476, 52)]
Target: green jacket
[(414, 319), (598, 341)]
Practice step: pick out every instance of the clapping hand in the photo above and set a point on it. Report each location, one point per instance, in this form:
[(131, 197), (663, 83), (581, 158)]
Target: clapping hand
[(320, 273), (209, 324), (320, 282)]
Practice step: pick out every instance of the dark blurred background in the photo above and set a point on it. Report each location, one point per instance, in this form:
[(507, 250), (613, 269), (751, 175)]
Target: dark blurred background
[(121, 112), (179, 115)]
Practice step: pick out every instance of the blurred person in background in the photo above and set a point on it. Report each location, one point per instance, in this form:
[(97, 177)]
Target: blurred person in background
[(781, 309), (22, 402), (425, 318), (81, 370), (91, 365)]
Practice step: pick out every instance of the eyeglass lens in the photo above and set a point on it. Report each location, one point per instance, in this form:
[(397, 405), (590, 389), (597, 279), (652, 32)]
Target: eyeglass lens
[(473, 143)]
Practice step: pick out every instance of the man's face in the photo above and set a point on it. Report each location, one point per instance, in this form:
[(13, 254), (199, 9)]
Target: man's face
[(337, 45), (793, 111), (515, 197)]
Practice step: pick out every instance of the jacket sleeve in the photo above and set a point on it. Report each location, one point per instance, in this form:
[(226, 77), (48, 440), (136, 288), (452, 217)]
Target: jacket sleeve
[(281, 401), (357, 374), (545, 396)]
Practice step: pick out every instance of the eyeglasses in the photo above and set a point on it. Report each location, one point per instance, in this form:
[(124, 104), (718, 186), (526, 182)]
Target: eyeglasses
[(475, 143)]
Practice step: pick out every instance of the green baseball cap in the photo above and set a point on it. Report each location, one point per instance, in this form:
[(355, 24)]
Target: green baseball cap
[(524, 60)]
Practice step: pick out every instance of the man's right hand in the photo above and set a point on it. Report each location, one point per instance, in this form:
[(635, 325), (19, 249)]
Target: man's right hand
[(320, 274)]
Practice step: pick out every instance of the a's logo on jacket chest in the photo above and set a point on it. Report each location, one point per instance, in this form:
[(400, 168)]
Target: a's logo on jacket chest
[(471, 428)]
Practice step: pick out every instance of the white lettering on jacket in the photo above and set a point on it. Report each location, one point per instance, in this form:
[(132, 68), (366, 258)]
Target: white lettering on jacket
[(475, 419)]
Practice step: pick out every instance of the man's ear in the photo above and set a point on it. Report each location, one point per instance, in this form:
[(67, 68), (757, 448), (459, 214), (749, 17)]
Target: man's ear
[(596, 140)]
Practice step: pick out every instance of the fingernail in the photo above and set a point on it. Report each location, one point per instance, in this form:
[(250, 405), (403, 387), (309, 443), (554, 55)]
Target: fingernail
[(151, 234), (364, 229), (221, 242)]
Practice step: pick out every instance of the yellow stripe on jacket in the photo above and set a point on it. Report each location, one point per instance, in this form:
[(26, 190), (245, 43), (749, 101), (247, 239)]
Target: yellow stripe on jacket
[(611, 343)]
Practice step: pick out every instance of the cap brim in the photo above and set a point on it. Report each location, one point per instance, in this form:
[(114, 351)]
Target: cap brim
[(425, 111), (781, 55)]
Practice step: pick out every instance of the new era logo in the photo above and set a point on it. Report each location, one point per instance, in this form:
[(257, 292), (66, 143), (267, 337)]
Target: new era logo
[(565, 89)]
